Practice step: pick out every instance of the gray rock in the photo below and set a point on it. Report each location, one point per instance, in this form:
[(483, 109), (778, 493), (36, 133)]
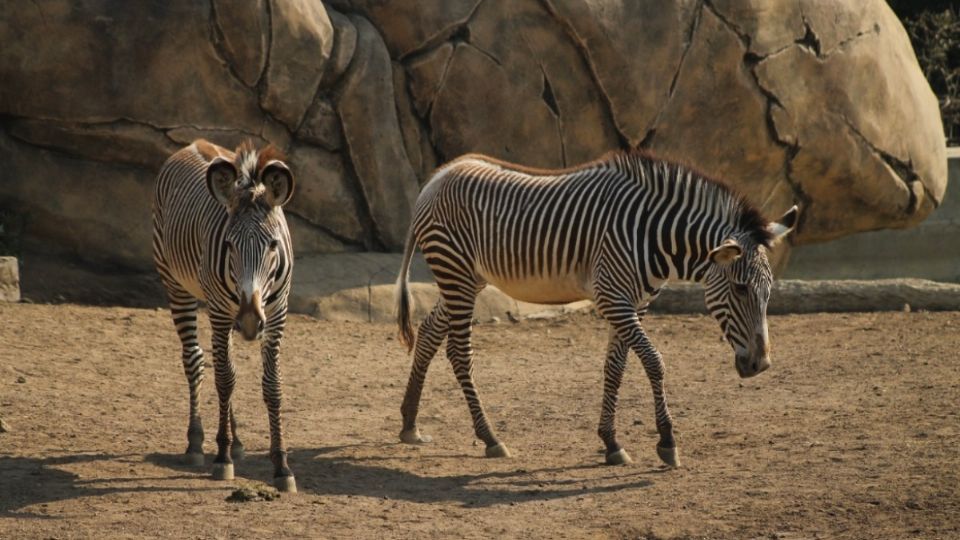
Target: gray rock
[(797, 296), (301, 41), (612, 35), (344, 47), (410, 26), (309, 239), (9, 279), (243, 29), (791, 101), (322, 126), (360, 287), (102, 212), (371, 130), (112, 60), (121, 142), (325, 193)]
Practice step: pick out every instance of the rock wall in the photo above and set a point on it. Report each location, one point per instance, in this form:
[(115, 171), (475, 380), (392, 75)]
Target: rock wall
[(818, 103)]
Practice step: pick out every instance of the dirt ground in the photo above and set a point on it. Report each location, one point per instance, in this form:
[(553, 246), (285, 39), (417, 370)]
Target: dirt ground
[(853, 433)]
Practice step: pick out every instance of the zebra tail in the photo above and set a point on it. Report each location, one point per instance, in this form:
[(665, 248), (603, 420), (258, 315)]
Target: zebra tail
[(402, 297)]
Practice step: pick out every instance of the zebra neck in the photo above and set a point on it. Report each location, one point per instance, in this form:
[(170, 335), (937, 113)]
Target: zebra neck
[(682, 240)]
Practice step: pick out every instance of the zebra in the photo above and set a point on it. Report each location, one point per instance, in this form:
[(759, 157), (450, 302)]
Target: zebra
[(220, 236), (614, 231)]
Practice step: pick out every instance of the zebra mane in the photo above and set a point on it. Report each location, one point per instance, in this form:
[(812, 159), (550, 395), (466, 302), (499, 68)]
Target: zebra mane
[(747, 218), (251, 161)]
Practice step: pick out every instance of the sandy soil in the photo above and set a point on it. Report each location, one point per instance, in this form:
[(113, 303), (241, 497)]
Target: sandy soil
[(854, 433)]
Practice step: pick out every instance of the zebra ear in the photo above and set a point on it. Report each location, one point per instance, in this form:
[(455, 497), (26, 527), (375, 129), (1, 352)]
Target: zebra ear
[(221, 179), (278, 180), (726, 253), (781, 228)]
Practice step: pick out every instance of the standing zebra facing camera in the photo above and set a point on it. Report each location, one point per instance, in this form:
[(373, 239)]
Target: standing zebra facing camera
[(614, 231), (219, 235)]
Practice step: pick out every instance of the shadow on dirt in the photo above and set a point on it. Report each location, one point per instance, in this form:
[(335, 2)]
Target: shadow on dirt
[(32, 481), (319, 473)]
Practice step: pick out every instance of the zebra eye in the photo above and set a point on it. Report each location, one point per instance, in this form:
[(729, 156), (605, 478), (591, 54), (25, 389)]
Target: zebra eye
[(741, 289), (227, 246), (274, 244)]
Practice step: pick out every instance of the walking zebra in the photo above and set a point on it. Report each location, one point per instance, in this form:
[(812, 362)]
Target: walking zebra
[(614, 231), (219, 235)]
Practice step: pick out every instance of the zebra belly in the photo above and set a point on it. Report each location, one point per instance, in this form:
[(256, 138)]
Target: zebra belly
[(543, 290)]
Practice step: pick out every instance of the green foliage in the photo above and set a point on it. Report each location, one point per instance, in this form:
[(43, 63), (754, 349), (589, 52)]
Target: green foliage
[(936, 41)]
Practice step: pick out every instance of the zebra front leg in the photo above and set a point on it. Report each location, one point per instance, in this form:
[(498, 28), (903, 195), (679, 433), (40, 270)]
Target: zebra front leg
[(283, 478), (183, 309), (225, 377), (613, 369), (460, 354), (237, 451), (626, 321), (430, 335)]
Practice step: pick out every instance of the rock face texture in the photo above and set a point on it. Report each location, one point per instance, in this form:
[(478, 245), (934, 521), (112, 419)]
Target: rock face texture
[(792, 101)]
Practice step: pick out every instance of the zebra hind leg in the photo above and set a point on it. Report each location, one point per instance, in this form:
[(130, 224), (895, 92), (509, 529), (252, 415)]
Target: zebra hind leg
[(432, 332), (613, 369), (183, 309), (460, 354)]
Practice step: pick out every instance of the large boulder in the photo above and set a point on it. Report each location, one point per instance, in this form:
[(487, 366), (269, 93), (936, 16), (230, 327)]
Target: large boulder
[(792, 101)]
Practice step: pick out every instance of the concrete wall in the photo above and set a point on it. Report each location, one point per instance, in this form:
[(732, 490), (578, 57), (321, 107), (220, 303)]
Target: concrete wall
[(930, 250)]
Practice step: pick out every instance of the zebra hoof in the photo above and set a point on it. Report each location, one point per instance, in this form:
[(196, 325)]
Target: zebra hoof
[(223, 471), (193, 459), (620, 457), (670, 456), (413, 436), (498, 450), (237, 452), (285, 484)]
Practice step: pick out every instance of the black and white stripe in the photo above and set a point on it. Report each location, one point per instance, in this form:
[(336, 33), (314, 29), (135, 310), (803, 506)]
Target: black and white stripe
[(614, 231), (220, 236)]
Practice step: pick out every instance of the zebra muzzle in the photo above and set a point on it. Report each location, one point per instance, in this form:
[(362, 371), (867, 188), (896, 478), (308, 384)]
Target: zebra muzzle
[(250, 319), (750, 366)]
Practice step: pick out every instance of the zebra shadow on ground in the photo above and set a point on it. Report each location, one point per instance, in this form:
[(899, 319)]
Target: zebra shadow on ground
[(31, 481), (322, 472)]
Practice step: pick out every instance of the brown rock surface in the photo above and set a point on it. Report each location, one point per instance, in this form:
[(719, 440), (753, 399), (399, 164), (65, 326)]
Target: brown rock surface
[(372, 134), (325, 193), (243, 30), (792, 101), (409, 26), (301, 40)]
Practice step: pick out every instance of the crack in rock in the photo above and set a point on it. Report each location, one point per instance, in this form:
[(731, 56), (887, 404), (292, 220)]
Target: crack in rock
[(903, 170), (551, 101), (791, 148), (647, 140), (581, 48), (350, 242), (445, 35), (809, 40), (217, 39), (469, 43)]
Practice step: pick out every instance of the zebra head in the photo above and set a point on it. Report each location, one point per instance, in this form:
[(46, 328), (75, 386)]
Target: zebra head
[(738, 287), (252, 187)]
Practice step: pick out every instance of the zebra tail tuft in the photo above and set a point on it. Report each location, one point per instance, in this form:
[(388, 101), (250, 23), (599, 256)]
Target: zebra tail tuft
[(403, 298)]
